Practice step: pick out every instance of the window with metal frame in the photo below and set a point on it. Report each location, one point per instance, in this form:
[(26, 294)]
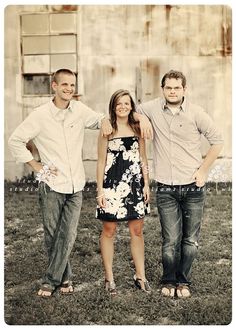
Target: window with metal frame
[(48, 43)]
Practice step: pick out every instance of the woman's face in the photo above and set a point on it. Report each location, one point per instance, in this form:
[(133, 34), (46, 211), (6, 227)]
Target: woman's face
[(123, 106)]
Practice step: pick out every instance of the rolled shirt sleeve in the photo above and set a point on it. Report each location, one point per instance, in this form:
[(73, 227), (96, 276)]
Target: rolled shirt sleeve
[(143, 110), (26, 131), (207, 127), (92, 119)]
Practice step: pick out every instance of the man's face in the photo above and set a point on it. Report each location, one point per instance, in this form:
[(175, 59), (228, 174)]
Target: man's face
[(64, 88), (173, 91)]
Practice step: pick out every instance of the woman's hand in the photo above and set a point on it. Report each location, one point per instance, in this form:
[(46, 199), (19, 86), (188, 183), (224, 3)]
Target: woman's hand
[(101, 201), (146, 193)]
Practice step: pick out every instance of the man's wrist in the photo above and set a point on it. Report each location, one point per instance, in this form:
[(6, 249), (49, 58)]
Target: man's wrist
[(137, 116)]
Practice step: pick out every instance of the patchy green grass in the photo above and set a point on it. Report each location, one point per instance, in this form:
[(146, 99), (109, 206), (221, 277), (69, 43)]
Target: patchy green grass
[(25, 261)]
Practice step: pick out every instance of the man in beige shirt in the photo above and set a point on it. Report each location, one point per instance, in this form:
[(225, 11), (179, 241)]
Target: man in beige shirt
[(57, 130), (180, 174)]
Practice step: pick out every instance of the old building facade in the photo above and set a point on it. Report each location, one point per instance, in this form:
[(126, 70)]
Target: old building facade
[(117, 46)]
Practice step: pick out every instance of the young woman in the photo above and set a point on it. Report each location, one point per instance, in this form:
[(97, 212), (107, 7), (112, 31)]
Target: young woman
[(122, 186)]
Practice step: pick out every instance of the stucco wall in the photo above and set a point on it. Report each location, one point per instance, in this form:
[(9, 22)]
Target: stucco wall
[(127, 46)]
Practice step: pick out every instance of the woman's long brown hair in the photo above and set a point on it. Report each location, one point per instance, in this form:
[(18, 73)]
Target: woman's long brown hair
[(112, 110)]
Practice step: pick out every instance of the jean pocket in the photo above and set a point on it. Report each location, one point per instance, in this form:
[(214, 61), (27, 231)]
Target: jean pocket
[(44, 188)]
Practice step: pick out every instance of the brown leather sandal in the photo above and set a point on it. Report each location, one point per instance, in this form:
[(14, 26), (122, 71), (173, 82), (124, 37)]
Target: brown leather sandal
[(45, 288), (67, 285), (183, 291), (168, 290)]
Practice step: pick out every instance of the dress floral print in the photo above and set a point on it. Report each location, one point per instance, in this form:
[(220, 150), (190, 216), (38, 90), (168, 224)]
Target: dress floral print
[(123, 182)]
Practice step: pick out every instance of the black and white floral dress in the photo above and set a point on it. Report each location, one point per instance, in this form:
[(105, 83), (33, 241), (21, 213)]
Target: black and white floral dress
[(123, 182)]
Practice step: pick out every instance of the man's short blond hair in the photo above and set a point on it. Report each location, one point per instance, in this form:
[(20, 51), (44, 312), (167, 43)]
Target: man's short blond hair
[(61, 71)]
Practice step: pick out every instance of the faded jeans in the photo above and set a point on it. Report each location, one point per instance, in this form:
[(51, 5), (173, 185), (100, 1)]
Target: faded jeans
[(61, 214), (180, 209)]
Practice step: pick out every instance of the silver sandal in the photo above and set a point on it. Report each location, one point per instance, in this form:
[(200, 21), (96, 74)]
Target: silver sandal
[(110, 286), (141, 284)]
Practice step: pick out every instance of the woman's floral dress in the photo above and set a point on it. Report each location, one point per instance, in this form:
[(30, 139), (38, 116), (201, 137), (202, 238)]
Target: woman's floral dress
[(123, 182)]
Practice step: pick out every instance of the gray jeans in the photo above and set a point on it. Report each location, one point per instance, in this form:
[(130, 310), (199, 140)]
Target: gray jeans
[(181, 210), (61, 214)]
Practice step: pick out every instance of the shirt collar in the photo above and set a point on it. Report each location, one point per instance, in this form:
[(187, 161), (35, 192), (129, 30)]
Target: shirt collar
[(59, 114), (164, 106)]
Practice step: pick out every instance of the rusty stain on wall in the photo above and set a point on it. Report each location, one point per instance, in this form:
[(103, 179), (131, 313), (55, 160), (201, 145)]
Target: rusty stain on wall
[(64, 8), (131, 47), (226, 29)]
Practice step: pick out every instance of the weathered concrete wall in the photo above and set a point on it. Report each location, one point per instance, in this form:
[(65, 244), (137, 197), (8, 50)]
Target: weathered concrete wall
[(127, 46)]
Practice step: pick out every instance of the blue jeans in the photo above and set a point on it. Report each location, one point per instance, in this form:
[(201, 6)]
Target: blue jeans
[(61, 214), (180, 209)]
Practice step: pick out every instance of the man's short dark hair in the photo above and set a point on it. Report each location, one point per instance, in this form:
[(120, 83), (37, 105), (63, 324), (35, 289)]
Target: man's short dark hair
[(63, 71), (172, 74)]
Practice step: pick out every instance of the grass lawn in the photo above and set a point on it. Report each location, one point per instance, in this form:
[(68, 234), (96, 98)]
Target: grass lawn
[(25, 261)]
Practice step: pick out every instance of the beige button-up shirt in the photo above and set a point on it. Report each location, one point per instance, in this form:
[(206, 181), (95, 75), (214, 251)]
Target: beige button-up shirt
[(58, 135), (177, 139)]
